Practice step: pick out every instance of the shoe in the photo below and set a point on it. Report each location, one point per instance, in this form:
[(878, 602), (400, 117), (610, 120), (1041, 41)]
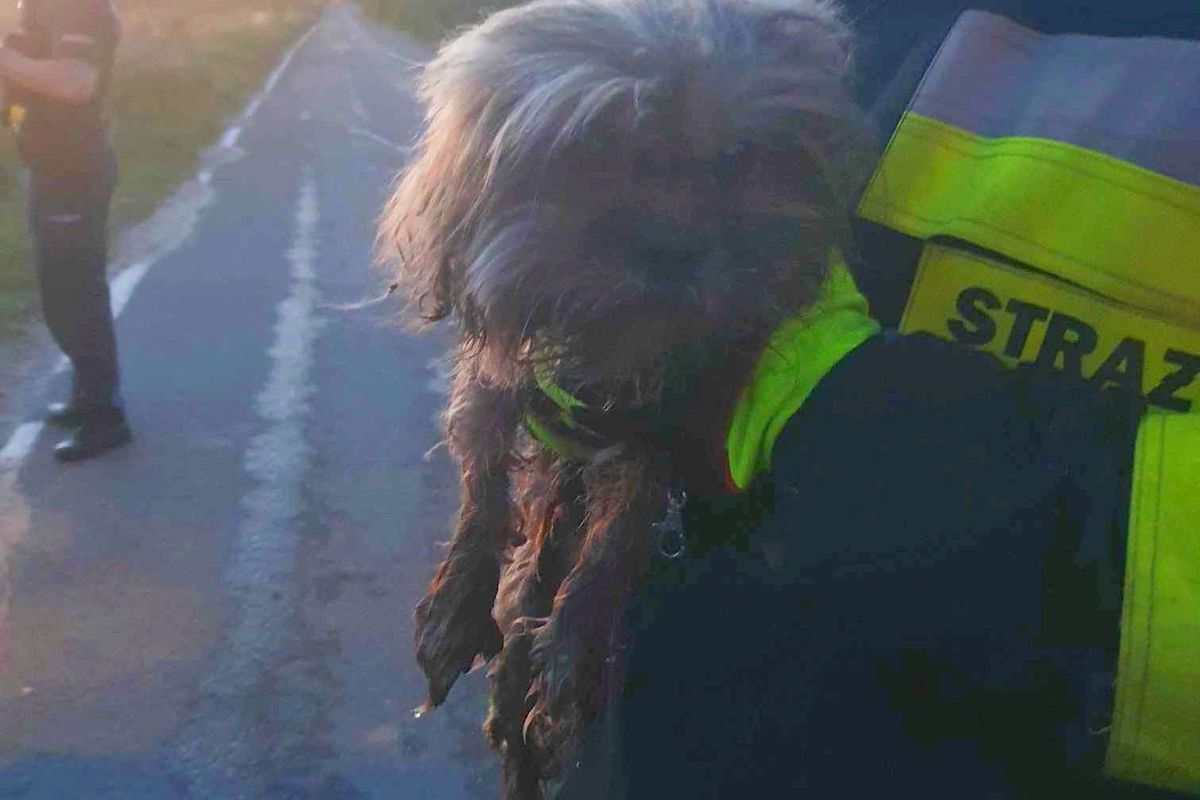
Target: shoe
[(64, 415), (93, 437)]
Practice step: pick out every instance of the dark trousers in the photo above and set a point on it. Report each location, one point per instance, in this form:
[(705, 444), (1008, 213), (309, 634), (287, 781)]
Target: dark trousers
[(68, 218)]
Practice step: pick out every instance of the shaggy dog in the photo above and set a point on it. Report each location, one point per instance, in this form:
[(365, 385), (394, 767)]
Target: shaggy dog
[(617, 202)]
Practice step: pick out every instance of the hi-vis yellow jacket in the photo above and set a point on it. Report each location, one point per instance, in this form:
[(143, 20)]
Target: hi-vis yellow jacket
[(1055, 183)]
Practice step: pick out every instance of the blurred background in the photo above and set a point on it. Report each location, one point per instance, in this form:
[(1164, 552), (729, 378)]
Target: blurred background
[(185, 67)]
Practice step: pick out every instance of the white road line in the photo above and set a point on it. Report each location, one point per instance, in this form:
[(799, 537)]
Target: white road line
[(218, 745), (356, 107), (123, 285), (375, 137), (121, 288), (234, 133), (19, 444), (230, 139), (274, 77), (365, 35)]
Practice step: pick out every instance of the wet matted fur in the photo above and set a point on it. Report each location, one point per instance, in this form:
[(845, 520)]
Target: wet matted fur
[(625, 198)]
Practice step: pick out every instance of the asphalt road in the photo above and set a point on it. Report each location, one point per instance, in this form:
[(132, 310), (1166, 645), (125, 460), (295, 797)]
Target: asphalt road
[(223, 609)]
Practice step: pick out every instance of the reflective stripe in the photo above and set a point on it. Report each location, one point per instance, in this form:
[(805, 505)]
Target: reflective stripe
[(1156, 725), (1117, 229), (1136, 99), (1079, 157), (560, 396), (1025, 317), (548, 438), (1076, 155), (800, 353)]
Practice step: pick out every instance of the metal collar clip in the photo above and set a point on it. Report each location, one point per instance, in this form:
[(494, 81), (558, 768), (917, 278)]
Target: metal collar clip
[(671, 540)]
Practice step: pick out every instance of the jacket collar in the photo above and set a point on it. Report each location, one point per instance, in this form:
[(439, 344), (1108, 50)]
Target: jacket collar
[(799, 354)]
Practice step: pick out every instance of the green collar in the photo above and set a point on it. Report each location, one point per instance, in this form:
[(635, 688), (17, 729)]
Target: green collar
[(558, 431), (801, 352)]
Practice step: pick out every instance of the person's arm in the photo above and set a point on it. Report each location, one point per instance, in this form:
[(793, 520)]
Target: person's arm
[(66, 79)]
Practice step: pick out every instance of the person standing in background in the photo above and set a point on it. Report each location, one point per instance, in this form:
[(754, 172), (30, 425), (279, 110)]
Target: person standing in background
[(57, 71)]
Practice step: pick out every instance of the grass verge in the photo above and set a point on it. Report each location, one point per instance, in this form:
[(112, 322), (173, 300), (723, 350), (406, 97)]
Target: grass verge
[(184, 69), (430, 20)]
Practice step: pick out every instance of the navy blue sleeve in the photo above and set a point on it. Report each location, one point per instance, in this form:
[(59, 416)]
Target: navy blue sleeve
[(928, 595), (964, 524), (897, 40)]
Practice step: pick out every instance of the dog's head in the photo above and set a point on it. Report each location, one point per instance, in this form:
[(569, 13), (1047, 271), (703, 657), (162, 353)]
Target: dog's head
[(612, 184)]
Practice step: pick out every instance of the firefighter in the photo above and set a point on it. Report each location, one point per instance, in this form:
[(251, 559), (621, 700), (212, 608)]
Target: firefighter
[(57, 71)]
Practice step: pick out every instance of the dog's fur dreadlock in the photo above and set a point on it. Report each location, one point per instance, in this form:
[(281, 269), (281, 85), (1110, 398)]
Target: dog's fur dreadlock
[(624, 197)]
